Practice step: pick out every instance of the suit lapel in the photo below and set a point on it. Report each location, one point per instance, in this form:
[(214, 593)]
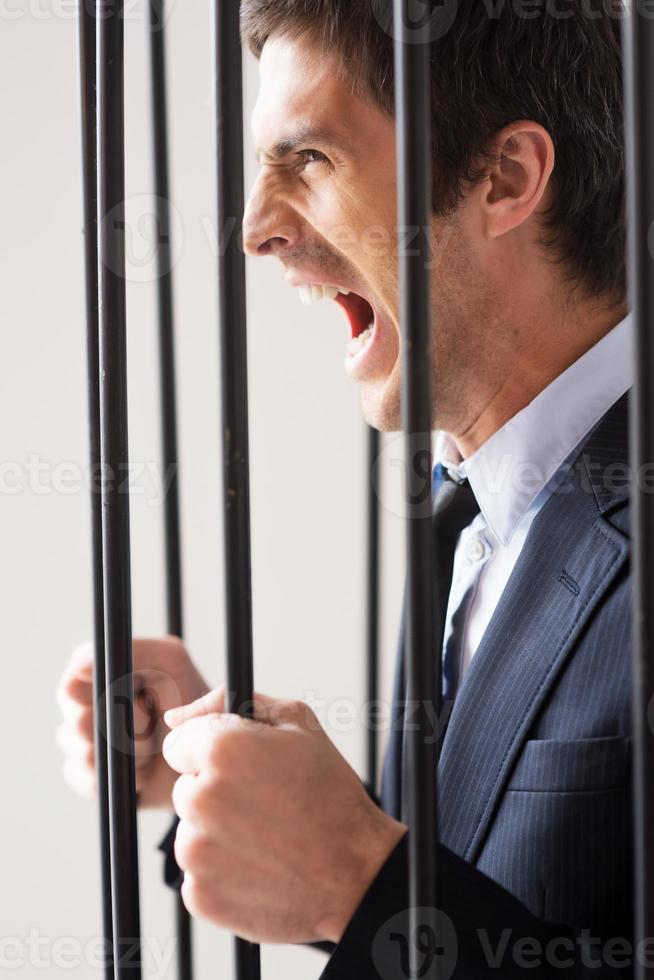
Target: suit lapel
[(571, 556)]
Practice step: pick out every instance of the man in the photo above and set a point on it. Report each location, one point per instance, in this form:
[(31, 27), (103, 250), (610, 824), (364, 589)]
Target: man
[(531, 368)]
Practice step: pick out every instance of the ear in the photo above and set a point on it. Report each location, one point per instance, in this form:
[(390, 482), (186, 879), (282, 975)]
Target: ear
[(524, 161)]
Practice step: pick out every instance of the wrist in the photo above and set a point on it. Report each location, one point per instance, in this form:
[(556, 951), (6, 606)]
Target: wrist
[(380, 838)]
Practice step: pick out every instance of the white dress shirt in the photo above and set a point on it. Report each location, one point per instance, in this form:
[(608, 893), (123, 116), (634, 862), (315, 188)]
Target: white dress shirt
[(514, 472)]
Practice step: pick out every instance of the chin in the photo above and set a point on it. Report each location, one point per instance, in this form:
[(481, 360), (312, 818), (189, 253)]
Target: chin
[(381, 406)]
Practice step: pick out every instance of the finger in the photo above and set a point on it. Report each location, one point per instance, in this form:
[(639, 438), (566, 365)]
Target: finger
[(211, 703), (214, 703), (281, 712), (75, 688), (189, 747), (77, 679), (180, 844), (80, 663), (195, 851), (196, 744), (183, 795), (75, 691)]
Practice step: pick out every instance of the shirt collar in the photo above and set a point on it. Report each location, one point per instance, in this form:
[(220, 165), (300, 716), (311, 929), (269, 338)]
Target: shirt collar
[(509, 471)]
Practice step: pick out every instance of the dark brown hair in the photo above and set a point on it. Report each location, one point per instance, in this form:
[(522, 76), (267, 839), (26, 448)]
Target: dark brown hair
[(557, 63)]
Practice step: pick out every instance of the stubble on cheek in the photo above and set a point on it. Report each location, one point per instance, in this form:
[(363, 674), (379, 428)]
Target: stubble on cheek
[(381, 403)]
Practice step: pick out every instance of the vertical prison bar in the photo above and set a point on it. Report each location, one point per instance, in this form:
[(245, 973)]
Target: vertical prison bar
[(638, 41), (167, 386), (413, 113), (87, 78), (234, 389), (115, 503), (372, 613)]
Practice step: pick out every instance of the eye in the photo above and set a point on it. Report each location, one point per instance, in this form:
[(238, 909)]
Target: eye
[(312, 156)]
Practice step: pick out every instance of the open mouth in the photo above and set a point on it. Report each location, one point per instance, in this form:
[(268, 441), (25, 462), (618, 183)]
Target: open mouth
[(359, 312)]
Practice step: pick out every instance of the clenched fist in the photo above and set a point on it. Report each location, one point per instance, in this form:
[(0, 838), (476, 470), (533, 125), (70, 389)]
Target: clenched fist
[(164, 677), (278, 838)]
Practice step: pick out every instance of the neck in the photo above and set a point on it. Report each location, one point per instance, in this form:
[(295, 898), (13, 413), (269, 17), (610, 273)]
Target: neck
[(546, 355)]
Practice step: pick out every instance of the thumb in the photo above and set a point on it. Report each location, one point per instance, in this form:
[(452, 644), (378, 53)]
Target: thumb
[(214, 703)]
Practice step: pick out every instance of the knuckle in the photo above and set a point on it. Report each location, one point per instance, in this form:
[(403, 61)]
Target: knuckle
[(200, 898), (221, 749), (65, 694), (213, 701), (175, 796), (191, 848), (198, 804), (88, 756), (184, 798), (300, 708), (82, 724), (311, 719), (72, 692), (231, 747), (299, 712), (204, 802)]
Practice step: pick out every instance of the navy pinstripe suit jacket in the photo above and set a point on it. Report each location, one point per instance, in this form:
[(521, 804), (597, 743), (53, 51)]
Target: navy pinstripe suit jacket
[(534, 808)]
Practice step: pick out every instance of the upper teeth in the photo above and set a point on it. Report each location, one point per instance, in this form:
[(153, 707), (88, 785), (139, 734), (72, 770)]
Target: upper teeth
[(311, 294)]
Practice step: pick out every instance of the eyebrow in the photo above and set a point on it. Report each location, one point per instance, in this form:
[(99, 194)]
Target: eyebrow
[(302, 136)]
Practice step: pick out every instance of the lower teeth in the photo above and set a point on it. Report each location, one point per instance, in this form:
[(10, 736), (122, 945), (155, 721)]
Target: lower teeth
[(357, 344)]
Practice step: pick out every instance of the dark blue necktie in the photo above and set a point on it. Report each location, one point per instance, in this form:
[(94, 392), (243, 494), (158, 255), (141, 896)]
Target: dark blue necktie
[(455, 508)]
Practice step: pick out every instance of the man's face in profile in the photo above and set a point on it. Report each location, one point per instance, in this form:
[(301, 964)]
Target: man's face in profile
[(324, 205)]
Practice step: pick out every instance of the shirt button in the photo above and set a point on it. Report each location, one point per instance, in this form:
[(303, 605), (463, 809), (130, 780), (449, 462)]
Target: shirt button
[(475, 549)]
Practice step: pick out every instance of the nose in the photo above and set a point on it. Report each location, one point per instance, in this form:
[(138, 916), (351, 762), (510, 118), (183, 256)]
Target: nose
[(270, 225)]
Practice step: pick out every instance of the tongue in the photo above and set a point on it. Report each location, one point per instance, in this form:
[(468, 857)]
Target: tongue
[(358, 311)]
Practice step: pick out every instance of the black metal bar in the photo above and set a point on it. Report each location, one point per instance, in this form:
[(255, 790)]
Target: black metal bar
[(373, 581), (115, 500), (87, 74), (638, 40), (234, 391), (413, 113), (167, 388), (166, 320)]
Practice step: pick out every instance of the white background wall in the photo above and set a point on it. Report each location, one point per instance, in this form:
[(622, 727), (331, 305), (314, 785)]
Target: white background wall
[(308, 478)]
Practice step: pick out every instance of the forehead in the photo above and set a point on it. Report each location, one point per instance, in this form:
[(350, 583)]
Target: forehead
[(302, 86)]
